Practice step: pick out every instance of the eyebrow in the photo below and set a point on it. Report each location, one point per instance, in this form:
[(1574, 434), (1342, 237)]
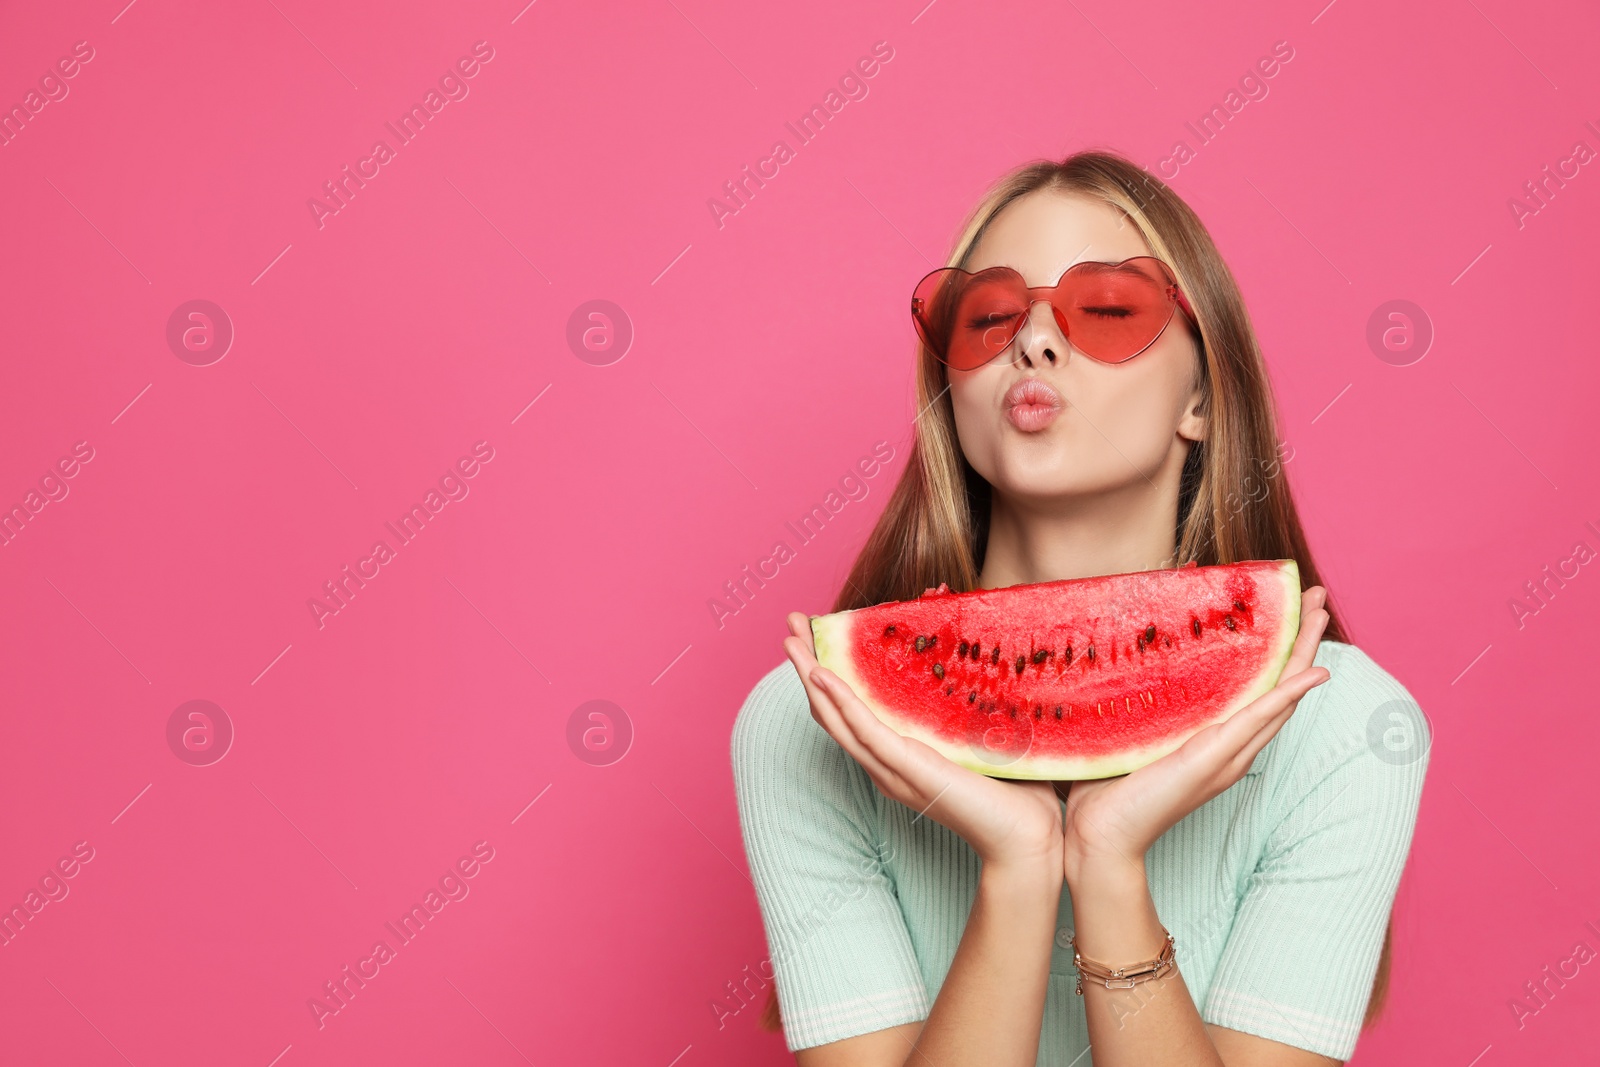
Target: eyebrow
[(1121, 266)]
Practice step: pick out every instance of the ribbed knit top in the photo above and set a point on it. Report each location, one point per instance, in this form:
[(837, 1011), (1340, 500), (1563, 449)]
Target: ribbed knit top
[(1276, 891)]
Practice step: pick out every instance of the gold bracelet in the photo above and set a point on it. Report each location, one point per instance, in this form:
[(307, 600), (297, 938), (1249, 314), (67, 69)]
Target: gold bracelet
[(1123, 977)]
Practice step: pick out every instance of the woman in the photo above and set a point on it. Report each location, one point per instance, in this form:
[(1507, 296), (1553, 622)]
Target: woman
[(920, 913)]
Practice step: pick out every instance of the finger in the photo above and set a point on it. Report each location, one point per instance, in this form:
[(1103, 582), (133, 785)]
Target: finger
[(865, 729), (803, 662), (800, 653), (924, 771), (881, 743), (1243, 724), (825, 701), (826, 712), (831, 692), (1301, 684), (1312, 626), (800, 626), (871, 730), (1234, 742), (1309, 613), (1269, 711), (1315, 599), (824, 706), (822, 709), (1283, 696)]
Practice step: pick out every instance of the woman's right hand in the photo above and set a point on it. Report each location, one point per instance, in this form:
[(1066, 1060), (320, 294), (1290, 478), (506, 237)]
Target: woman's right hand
[(1007, 823)]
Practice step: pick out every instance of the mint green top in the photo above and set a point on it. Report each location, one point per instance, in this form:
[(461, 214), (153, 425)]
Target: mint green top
[(1276, 891)]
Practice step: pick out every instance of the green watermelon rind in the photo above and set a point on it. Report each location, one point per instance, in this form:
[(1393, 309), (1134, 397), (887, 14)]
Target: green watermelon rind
[(831, 638)]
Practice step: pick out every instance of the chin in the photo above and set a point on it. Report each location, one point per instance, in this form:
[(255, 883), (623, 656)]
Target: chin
[(1021, 480), (1040, 478)]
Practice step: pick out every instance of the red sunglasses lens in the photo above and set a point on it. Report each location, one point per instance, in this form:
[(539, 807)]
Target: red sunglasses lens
[(1109, 311), (1116, 310), (968, 319)]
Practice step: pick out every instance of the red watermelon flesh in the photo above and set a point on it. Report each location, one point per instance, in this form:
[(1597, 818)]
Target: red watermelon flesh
[(1070, 680)]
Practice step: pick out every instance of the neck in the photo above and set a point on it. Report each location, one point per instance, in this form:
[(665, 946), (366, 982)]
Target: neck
[(1130, 528)]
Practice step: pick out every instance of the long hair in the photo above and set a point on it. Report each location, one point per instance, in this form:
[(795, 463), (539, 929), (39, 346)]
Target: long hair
[(1234, 502)]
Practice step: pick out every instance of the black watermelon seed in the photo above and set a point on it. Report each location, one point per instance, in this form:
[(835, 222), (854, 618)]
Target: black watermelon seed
[(949, 689), (1149, 635), (1194, 624), (1228, 621), (932, 638), (997, 655), (1038, 712), (1165, 640), (971, 697), (1090, 653), (921, 643), (1069, 655), (1013, 711), (1039, 656), (938, 670), (1058, 711), (887, 630), (1238, 605), (1022, 661), (962, 651)]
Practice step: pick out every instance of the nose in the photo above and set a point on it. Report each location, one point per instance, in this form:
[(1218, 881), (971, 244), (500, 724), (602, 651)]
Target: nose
[(1040, 342)]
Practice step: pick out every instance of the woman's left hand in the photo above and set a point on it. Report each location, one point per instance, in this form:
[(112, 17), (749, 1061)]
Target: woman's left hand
[(1116, 820)]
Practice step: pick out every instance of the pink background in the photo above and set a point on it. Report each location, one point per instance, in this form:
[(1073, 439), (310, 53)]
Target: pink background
[(769, 354)]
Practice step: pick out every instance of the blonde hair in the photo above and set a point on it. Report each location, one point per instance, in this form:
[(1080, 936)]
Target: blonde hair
[(1234, 502)]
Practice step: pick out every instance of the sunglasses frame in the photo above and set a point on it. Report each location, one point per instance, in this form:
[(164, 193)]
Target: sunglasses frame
[(1036, 293)]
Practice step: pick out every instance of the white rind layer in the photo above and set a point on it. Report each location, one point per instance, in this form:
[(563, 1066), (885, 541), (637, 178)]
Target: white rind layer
[(832, 636)]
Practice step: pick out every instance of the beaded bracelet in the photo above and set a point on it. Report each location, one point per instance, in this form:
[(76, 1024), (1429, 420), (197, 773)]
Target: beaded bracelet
[(1123, 977)]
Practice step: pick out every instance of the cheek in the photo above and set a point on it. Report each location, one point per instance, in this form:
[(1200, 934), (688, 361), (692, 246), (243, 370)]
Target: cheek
[(1128, 418), (976, 429), (1127, 398), (1146, 394)]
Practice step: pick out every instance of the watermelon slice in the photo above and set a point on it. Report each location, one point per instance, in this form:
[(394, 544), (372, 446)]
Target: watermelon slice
[(1079, 679)]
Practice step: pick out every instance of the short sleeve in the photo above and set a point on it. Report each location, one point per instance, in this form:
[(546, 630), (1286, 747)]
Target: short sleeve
[(1300, 959), (841, 954)]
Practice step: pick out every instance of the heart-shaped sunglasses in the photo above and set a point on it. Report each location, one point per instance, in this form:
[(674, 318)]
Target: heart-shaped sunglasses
[(1108, 311)]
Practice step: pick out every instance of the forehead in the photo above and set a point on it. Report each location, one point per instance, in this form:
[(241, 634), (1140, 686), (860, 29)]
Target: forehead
[(1044, 232)]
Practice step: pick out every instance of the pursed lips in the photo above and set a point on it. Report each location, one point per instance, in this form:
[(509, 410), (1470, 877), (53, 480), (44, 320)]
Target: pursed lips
[(1031, 391)]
